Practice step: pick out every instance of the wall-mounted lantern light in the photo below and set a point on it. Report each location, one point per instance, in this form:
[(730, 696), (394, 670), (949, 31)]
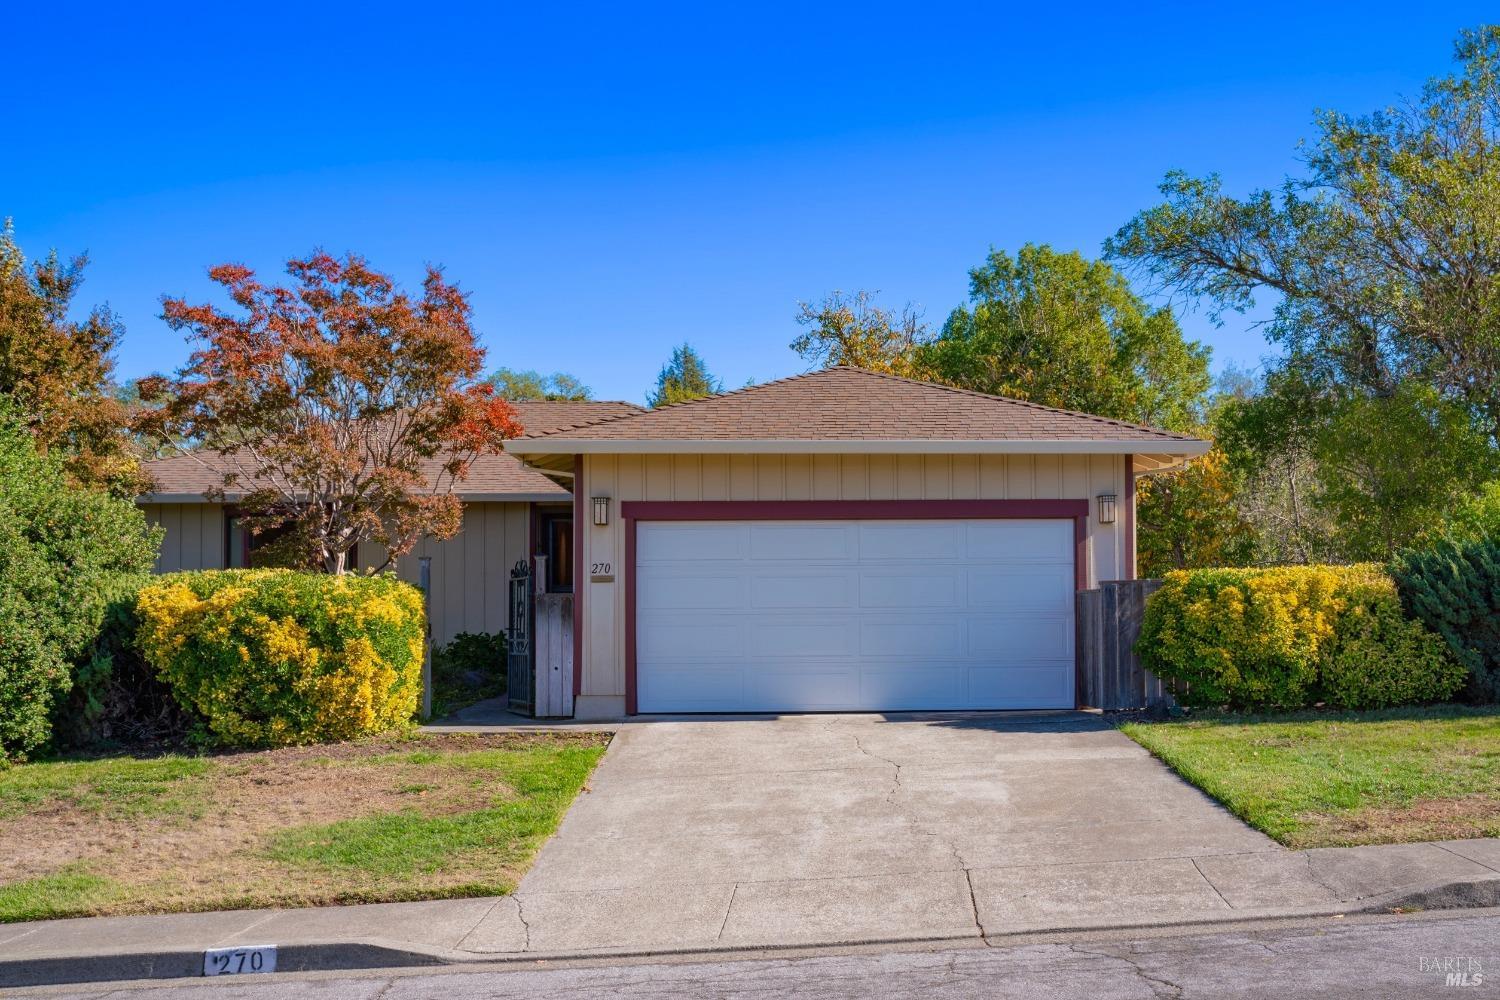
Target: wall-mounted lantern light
[(1106, 508), (601, 511)]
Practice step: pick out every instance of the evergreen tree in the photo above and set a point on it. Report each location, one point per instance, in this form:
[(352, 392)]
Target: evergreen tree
[(682, 378)]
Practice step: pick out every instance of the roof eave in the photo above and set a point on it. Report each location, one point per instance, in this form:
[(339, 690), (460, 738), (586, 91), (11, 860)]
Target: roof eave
[(543, 446), (534, 496)]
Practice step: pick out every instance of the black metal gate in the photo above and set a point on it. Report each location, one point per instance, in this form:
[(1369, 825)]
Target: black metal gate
[(520, 668)]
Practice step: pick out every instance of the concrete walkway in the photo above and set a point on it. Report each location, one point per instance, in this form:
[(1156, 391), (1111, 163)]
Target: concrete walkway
[(762, 832)]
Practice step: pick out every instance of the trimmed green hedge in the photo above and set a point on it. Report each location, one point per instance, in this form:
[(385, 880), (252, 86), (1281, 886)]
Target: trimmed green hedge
[(1290, 637), (275, 657)]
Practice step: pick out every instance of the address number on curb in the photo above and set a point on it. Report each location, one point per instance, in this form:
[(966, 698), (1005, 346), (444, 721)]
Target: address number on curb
[(239, 961)]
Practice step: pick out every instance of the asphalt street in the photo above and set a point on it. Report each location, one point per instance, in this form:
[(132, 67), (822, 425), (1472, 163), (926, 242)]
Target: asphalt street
[(1440, 955)]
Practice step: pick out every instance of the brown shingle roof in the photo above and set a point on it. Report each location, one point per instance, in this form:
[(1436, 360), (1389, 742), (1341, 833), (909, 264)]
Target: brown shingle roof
[(846, 404), (186, 478)]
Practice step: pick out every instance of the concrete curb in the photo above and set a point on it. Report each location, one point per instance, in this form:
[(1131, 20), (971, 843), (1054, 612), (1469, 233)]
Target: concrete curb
[(354, 955), (1463, 895), (184, 964)]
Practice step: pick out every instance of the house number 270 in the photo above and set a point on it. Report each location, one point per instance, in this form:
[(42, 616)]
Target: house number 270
[(601, 569)]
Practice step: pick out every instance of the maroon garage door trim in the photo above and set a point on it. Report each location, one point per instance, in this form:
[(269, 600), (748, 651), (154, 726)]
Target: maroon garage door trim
[(634, 511)]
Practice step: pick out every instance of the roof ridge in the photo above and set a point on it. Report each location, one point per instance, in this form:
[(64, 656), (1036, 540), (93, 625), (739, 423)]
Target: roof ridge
[(1011, 399), (581, 402), (635, 410), (645, 413), (642, 411)]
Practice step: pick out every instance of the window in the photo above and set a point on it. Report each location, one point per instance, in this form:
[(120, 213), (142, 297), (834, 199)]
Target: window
[(241, 546), (557, 546)]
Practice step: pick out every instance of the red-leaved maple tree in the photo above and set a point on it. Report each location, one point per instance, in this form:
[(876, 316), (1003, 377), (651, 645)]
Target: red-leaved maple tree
[(341, 409)]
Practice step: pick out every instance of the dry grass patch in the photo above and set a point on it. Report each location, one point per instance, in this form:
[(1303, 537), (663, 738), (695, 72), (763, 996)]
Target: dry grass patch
[(388, 819)]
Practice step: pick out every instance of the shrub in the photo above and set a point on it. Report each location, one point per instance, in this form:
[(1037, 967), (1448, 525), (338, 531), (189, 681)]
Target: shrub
[(64, 551), (1454, 589), (1292, 636), (1379, 658), (274, 657), (1243, 637), (117, 698), (470, 668)]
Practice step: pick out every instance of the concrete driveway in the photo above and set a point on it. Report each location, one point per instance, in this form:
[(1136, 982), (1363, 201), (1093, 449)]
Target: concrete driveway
[(736, 832)]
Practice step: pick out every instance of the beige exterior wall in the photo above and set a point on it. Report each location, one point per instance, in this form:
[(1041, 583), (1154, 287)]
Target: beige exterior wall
[(812, 477), (194, 537), (470, 571)]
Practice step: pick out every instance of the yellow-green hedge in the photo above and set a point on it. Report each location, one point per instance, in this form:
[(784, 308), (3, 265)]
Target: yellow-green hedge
[(1292, 636), (274, 657)]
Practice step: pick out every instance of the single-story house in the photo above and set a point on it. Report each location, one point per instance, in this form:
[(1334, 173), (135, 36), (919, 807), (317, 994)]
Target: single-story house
[(842, 540), (510, 513)]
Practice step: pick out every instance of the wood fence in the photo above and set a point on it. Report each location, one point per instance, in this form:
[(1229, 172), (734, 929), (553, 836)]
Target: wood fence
[(554, 656), (1109, 622)]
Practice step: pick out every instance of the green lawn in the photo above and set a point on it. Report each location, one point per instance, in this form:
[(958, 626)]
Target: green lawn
[(404, 818), (116, 787), (1314, 779)]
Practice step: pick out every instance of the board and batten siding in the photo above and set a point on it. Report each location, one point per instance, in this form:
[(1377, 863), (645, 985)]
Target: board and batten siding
[(470, 571), (812, 477), (193, 535)]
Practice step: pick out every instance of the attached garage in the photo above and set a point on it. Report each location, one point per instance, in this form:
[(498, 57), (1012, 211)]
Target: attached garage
[(843, 540), (851, 614)]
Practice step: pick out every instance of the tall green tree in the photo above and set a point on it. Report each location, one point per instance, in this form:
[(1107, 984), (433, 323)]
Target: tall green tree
[(682, 378), (1057, 329), (1383, 262), (55, 372), (514, 385)]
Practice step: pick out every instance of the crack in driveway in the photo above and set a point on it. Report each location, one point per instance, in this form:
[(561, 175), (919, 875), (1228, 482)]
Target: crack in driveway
[(894, 798)]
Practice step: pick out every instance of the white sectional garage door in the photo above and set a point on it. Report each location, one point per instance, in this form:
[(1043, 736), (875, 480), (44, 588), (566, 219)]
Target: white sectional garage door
[(781, 616)]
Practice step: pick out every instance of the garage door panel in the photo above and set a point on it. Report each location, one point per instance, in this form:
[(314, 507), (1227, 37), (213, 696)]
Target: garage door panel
[(697, 591), (802, 542), (800, 686), (691, 689), (1038, 686), (930, 686), (917, 638), (805, 638), (804, 591), (754, 616), (1020, 586), (689, 638), (1011, 638), (909, 540), (669, 542), (910, 589), (1015, 541)]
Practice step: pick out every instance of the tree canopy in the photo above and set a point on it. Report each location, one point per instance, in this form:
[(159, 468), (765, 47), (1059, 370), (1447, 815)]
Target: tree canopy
[(1061, 330), (55, 373), (345, 409), (853, 330), (1383, 262), (682, 378), (533, 385)]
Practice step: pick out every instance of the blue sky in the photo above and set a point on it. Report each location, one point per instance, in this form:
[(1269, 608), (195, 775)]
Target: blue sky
[(610, 181)]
